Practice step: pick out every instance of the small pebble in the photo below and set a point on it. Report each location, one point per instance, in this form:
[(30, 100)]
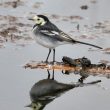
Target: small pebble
[(84, 7)]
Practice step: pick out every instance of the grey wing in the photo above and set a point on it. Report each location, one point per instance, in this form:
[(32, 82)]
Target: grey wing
[(66, 37), (61, 36)]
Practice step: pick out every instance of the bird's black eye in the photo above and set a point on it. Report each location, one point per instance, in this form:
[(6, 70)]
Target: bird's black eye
[(34, 107), (38, 19)]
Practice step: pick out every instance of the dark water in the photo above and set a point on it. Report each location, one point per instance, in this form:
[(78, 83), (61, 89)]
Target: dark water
[(16, 82)]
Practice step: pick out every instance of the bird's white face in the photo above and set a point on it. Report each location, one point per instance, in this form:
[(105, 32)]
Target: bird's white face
[(39, 20)]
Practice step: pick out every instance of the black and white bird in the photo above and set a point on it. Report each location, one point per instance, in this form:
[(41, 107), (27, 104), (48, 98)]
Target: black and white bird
[(46, 91), (50, 36)]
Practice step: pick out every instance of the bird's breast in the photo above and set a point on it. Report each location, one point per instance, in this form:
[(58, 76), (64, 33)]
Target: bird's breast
[(44, 40)]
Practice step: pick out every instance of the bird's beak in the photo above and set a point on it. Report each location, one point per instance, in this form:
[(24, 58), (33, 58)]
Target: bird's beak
[(30, 105), (30, 19)]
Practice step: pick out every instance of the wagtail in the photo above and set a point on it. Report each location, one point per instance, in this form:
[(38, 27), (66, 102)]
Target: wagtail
[(50, 36)]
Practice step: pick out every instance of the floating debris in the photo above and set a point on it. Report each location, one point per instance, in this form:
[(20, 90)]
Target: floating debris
[(8, 18), (66, 18), (13, 4), (84, 7), (49, 65), (13, 29), (107, 50), (75, 17), (54, 16), (38, 4), (104, 61), (93, 1), (82, 66)]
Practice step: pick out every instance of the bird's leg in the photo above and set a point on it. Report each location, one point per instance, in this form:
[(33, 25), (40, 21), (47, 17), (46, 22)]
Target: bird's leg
[(48, 55), (53, 75), (53, 55), (48, 74)]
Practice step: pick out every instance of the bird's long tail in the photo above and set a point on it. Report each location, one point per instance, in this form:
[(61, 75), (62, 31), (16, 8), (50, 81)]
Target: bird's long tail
[(89, 44)]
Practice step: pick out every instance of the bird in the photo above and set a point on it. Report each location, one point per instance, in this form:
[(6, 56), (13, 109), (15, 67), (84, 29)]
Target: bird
[(50, 36), (47, 90)]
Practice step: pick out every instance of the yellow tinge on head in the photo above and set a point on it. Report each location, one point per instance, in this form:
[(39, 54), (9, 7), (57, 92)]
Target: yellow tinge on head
[(36, 106), (39, 20)]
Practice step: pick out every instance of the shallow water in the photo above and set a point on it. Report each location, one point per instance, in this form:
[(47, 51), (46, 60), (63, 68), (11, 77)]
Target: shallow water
[(16, 82)]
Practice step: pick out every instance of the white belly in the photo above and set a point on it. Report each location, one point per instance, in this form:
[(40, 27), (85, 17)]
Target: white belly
[(46, 41)]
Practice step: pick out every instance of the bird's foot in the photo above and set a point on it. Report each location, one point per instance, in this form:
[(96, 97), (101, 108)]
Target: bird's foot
[(45, 62), (53, 62)]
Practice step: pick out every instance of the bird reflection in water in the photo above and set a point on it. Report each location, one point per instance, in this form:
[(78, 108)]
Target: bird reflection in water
[(52, 74), (45, 91)]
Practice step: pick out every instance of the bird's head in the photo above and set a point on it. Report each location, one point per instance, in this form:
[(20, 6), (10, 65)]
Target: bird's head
[(40, 20), (35, 106)]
